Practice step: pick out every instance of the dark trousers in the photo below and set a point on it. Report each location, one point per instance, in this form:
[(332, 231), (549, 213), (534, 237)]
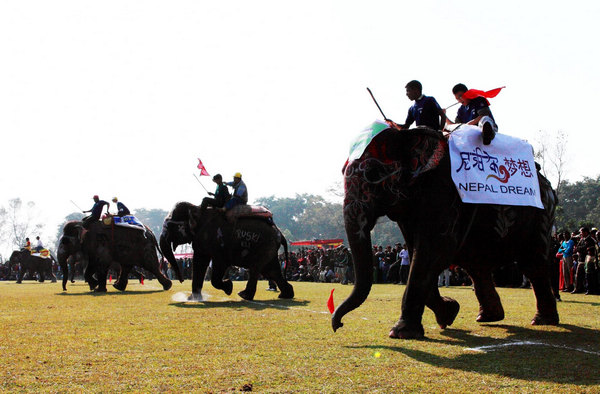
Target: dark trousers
[(404, 273), (88, 220), (210, 202)]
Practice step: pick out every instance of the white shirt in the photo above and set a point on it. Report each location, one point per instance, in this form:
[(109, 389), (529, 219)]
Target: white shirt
[(404, 257)]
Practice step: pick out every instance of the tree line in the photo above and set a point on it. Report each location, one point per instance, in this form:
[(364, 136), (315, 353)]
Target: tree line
[(303, 217)]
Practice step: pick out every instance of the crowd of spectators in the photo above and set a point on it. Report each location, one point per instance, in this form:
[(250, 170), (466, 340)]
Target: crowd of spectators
[(576, 261)]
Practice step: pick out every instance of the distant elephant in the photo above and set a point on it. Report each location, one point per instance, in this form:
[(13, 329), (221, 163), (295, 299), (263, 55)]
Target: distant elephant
[(32, 264), (104, 245), (251, 243), (406, 176)]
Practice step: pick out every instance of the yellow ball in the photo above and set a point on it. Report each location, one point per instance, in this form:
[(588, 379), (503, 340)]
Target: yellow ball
[(377, 355)]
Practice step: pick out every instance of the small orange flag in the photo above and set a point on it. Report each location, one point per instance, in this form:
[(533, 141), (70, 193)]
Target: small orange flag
[(110, 279), (142, 279), (330, 305)]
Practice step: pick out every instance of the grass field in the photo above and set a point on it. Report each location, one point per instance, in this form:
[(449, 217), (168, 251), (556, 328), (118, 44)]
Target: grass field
[(144, 340)]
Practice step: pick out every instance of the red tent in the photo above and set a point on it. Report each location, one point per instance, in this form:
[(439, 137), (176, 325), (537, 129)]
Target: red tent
[(319, 242)]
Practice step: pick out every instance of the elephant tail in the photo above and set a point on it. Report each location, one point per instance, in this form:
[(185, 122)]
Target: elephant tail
[(285, 247)]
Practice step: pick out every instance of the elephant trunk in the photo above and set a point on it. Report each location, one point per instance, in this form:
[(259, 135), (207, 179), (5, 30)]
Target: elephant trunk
[(165, 247), (363, 272)]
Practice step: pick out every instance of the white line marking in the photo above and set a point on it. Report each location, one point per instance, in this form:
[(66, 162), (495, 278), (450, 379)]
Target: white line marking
[(484, 349)]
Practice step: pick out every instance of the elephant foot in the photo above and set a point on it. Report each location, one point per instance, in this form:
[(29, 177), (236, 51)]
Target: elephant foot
[(195, 297), (404, 330), (121, 286), (489, 316), (245, 294), (167, 285), (92, 283), (287, 294), (72, 281), (227, 287), (445, 316), (540, 320), (19, 282), (54, 281), (100, 290)]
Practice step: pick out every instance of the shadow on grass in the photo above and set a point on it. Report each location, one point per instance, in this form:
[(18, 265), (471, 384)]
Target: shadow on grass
[(529, 354), (109, 293), (597, 303), (243, 304)]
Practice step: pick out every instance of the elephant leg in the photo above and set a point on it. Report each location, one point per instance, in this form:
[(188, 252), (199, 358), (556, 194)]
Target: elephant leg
[(199, 266), (162, 279), (422, 281), (274, 273), (445, 308), (490, 306), (546, 313), (250, 290), (42, 276), (217, 281), (103, 263), (121, 283)]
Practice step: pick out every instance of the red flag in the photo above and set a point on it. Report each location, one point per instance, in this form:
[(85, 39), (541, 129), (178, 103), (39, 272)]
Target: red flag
[(202, 168), (142, 279), (330, 302), (472, 93), (110, 279)]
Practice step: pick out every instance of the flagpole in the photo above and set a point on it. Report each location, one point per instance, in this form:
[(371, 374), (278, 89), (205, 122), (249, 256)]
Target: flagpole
[(377, 104), (76, 206), (200, 182)]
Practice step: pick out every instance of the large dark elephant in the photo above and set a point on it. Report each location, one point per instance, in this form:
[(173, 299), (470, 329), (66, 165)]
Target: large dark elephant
[(32, 264), (406, 176), (251, 243), (104, 246)]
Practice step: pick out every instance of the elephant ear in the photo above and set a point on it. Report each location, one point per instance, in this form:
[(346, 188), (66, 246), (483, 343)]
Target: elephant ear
[(426, 153), (193, 219)]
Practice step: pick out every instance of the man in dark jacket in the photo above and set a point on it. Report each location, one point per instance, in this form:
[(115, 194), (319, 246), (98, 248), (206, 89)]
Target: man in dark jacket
[(122, 210), (96, 211), (221, 195)]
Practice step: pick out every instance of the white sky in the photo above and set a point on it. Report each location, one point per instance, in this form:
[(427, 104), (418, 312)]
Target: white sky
[(122, 97)]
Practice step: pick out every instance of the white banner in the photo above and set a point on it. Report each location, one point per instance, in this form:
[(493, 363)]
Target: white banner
[(500, 173)]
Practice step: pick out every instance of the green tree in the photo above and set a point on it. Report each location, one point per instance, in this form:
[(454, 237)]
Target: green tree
[(152, 218)]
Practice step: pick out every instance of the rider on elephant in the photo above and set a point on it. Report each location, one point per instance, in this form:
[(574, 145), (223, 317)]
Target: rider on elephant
[(221, 195), (240, 192), (122, 210), (96, 211), (27, 244), (424, 112), (40, 245), (475, 111)]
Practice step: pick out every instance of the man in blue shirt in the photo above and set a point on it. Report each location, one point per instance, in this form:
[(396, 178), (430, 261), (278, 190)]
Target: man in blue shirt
[(221, 195), (566, 248), (96, 211), (122, 210), (475, 111), (424, 112), (240, 192)]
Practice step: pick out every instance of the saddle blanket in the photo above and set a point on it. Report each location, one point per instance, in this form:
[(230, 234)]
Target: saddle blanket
[(248, 211), (364, 138), (44, 253), (128, 221), (500, 173)]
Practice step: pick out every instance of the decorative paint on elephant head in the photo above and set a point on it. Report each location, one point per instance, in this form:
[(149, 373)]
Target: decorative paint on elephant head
[(176, 231), (387, 169)]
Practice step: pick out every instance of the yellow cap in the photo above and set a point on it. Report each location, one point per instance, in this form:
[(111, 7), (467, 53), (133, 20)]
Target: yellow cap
[(115, 199), (237, 175)]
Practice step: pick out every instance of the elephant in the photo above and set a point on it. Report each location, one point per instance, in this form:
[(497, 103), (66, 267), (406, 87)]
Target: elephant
[(247, 242), (103, 246), (27, 262), (406, 176)]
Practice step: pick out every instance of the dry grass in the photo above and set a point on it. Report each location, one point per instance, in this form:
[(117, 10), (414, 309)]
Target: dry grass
[(144, 341)]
